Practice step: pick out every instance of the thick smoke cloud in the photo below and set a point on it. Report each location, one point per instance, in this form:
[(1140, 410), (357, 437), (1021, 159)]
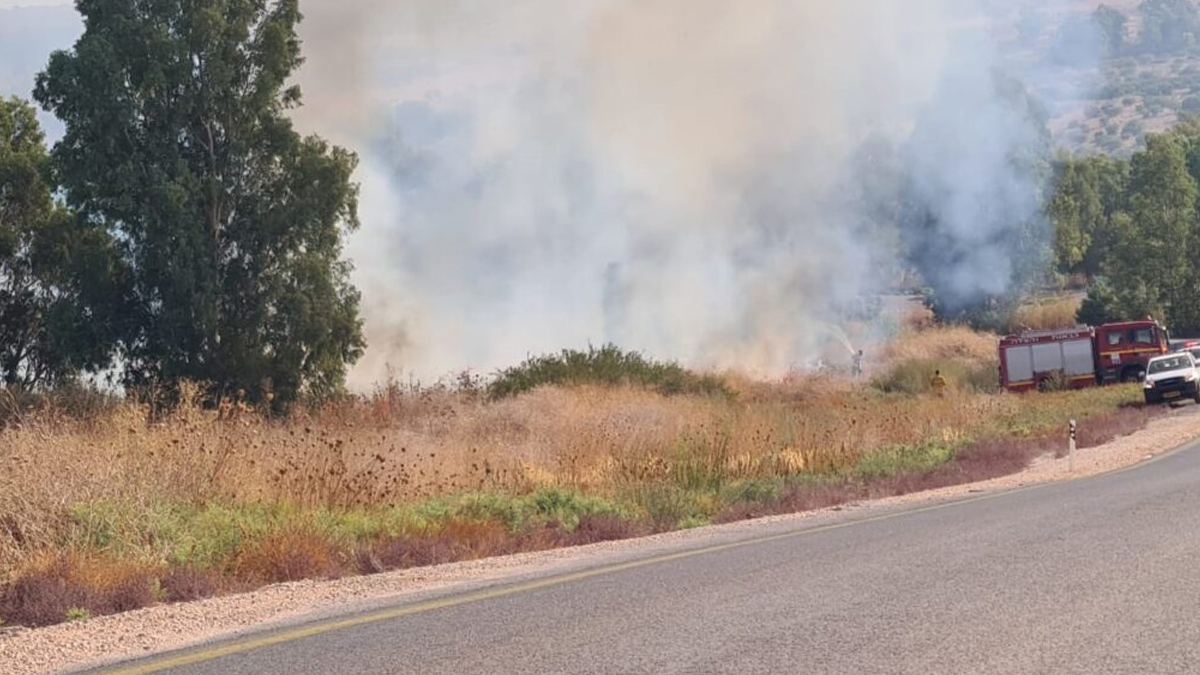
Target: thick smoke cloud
[(704, 180)]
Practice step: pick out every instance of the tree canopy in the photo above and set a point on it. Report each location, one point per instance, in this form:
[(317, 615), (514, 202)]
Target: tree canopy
[(1169, 25), (1134, 227), (179, 145), (59, 282), (1088, 193)]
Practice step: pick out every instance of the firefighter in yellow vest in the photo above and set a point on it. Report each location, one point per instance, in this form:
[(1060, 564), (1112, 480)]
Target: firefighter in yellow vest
[(938, 384)]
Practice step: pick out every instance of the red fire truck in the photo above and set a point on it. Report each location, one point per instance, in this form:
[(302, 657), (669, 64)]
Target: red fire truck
[(1082, 357)]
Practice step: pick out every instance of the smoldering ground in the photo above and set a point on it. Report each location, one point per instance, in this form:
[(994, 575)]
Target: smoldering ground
[(704, 180)]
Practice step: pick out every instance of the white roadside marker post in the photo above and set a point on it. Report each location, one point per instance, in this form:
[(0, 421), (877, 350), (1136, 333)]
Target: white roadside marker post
[(1071, 449)]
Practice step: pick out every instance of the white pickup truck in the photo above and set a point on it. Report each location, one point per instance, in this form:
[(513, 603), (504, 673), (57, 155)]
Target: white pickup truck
[(1172, 377)]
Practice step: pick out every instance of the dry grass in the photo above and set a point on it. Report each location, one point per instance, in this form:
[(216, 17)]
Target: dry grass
[(202, 504), (402, 448), (956, 344), (979, 461), (291, 555), (1048, 314)]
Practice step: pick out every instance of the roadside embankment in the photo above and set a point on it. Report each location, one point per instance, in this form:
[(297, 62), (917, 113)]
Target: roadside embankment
[(76, 644), (122, 510)]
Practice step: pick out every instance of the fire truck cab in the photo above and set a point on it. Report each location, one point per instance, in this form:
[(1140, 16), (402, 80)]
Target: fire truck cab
[(1124, 349)]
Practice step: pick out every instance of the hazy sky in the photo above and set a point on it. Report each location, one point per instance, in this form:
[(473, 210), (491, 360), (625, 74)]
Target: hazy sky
[(29, 31), (5, 4)]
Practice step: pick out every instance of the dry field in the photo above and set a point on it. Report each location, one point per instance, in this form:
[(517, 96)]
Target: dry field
[(116, 512)]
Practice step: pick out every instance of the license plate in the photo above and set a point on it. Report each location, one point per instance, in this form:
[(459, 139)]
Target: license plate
[(1171, 394)]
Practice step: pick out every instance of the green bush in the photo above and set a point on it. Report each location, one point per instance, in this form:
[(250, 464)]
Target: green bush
[(609, 366)]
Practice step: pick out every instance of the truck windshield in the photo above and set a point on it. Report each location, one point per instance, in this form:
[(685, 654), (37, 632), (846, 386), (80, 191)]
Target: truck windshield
[(1174, 363)]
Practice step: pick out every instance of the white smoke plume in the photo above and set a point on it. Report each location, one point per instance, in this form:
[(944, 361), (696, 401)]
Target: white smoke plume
[(683, 177)]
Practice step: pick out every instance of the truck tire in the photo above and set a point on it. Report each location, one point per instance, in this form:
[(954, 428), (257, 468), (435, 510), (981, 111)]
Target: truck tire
[(1151, 399)]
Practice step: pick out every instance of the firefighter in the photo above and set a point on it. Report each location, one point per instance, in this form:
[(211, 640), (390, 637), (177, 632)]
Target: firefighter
[(938, 384), (856, 367)]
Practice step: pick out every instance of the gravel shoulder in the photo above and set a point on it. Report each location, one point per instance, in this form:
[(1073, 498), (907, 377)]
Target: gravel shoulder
[(74, 646)]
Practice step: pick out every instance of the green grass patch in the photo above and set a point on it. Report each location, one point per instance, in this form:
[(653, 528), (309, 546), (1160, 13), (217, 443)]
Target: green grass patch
[(545, 506), (211, 536)]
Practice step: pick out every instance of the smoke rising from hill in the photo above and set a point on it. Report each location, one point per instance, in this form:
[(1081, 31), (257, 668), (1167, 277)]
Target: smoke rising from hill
[(704, 180)]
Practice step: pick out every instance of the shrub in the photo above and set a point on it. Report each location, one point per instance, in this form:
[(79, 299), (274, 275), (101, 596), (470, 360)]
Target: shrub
[(48, 592), (404, 553), (291, 555), (131, 590), (456, 540), (42, 597), (184, 584), (609, 366), (666, 506)]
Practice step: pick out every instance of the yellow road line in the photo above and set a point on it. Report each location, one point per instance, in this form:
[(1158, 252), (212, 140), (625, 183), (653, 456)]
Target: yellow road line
[(291, 635)]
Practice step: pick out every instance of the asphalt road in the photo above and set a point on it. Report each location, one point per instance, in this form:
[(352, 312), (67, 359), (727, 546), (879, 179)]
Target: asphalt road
[(1094, 576)]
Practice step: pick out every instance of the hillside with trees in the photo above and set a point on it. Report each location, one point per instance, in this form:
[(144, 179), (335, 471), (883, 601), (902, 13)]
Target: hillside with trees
[(1132, 226), (1148, 79)]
